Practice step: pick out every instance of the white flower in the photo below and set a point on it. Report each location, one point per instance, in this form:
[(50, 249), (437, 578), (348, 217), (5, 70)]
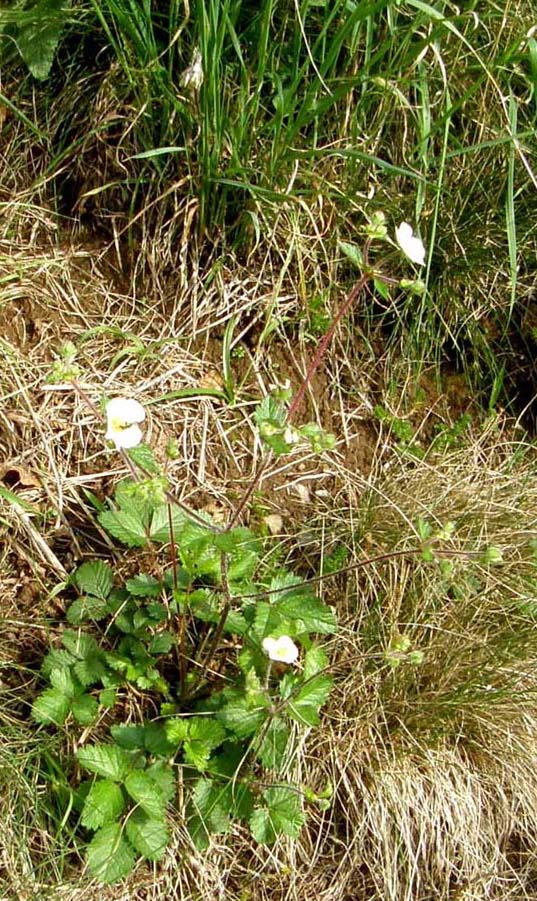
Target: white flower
[(291, 435), (282, 649), (411, 246), (122, 416)]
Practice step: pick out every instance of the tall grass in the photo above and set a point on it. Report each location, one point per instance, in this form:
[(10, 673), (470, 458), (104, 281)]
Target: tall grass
[(319, 114)]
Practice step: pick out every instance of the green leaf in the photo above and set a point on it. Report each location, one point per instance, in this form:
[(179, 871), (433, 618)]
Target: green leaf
[(160, 523), (51, 707), (237, 541), (80, 644), (304, 708), (492, 555), (147, 836), (126, 525), (110, 857), (38, 37), (242, 719), (143, 457), (150, 737), (107, 697), (86, 608), (85, 709), (242, 567), (89, 671), (177, 730), (160, 643), (147, 793), (352, 252), (209, 813), (162, 774), (144, 586), (204, 735), (307, 613), (273, 747), (382, 288), (315, 661), (63, 681), (105, 760), (282, 814), (197, 550), (57, 658), (104, 803), (128, 736), (96, 578)]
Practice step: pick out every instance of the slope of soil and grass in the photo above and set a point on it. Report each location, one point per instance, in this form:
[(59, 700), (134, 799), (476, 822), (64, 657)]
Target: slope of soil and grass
[(184, 241)]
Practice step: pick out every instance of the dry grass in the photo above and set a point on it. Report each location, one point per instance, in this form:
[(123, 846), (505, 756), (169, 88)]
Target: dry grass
[(432, 766)]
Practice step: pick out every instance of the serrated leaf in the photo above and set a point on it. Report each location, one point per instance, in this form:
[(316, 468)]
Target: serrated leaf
[(95, 577), (238, 540), (282, 815), (57, 658), (307, 613), (85, 709), (143, 457), (209, 812), (110, 856), (107, 697), (315, 660), (204, 735), (160, 643), (160, 523), (51, 707), (197, 551), (144, 586), (105, 760), (38, 38), (242, 567), (305, 706), (147, 836), (126, 525), (149, 737), (127, 736), (162, 774), (80, 644), (90, 671), (177, 730), (86, 609), (104, 803), (352, 252), (145, 791), (241, 719), (63, 681), (273, 747)]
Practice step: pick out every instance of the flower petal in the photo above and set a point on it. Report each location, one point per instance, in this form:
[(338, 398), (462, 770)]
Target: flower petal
[(123, 415), (282, 649), (412, 247)]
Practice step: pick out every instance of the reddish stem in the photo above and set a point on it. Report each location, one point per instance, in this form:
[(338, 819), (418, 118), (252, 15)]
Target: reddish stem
[(323, 344), (297, 400)]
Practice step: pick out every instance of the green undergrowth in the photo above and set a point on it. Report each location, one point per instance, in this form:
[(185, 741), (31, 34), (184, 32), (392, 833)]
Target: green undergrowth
[(182, 679)]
